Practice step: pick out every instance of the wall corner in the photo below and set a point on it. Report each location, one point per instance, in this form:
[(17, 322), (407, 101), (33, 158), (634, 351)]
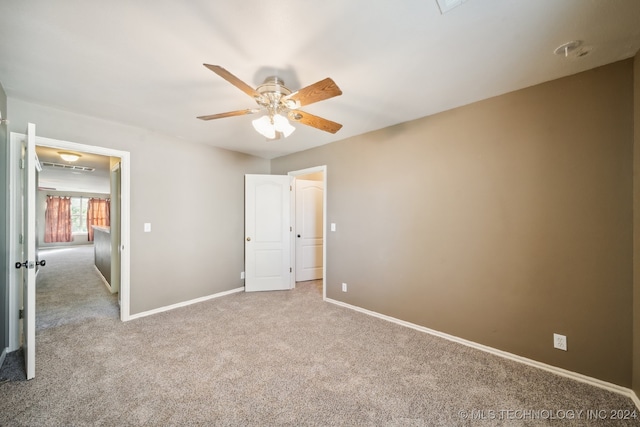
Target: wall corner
[(636, 227)]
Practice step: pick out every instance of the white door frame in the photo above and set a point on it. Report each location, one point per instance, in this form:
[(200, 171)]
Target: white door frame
[(15, 198), (294, 174)]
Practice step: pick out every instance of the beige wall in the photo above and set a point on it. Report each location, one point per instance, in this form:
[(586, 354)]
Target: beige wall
[(500, 222), (192, 194), (636, 229)]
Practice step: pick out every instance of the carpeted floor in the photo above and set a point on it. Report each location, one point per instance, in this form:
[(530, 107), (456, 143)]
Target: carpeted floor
[(274, 358)]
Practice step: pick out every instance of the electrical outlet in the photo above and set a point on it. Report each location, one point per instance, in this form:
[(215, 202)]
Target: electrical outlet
[(242, 275), (344, 287), (560, 342)]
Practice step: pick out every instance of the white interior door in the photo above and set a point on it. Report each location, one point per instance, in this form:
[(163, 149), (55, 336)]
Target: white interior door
[(115, 230), (29, 252), (267, 232), (309, 229)]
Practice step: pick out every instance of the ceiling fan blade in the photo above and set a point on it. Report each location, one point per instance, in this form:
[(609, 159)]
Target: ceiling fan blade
[(319, 91), (314, 121), (229, 114), (233, 80)]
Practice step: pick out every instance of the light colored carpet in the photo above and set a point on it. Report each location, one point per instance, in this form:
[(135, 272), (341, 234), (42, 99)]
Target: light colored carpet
[(274, 358)]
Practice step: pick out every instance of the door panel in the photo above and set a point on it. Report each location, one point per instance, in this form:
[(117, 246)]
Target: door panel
[(29, 253), (309, 229), (267, 233), (115, 229)]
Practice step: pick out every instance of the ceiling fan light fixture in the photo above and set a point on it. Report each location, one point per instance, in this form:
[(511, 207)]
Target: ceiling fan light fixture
[(264, 127), (281, 124), (281, 104), (69, 157)]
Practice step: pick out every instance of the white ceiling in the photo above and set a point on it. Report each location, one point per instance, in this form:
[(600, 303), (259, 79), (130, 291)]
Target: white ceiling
[(140, 62)]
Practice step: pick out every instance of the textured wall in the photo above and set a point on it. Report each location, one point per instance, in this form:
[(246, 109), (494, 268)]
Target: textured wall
[(500, 222)]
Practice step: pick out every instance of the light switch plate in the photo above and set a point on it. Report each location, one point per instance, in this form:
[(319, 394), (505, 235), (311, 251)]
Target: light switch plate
[(333, 226), (147, 227)]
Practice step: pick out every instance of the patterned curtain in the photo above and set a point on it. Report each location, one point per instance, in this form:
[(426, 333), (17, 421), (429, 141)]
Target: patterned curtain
[(57, 219), (98, 213)]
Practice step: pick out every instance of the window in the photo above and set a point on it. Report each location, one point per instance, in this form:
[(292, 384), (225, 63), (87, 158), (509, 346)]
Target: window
[(79, 214)]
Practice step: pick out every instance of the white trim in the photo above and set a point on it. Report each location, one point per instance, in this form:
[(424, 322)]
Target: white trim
[(185, 303), (635, 398), (534, 363), (2, 356), (308, 171), (104, 280)]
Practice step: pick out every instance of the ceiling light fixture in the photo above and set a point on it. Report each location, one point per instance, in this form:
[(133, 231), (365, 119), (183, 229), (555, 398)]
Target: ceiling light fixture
[(269, 125), (69, 157), (280, 104), (274, 124)]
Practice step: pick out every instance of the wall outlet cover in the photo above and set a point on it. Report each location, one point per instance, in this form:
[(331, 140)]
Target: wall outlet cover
[(560, 342)]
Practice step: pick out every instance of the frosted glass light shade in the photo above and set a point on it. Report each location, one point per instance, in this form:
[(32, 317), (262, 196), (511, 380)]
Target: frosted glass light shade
[(282, 125), (69, 157), (264, 127)]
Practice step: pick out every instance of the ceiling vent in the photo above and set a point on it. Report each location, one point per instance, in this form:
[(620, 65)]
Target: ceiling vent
[(446, 5), (69, 167)]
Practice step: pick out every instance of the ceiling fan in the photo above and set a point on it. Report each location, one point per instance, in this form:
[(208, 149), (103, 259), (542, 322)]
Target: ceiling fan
[(280, 104)]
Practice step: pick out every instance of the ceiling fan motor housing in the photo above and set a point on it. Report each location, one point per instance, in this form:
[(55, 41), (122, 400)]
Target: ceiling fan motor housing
[(272, 93)]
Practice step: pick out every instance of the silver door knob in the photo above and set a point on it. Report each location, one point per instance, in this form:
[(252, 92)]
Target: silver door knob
[(248, 239)]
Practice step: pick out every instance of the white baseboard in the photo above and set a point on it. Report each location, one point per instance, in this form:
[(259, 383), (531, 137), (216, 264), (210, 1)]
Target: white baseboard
[(2, 356), (184, 303), (107, 284), (553, 369)]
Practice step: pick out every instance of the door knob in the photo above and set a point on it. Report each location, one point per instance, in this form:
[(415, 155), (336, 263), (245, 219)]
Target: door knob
[(248, 239), (298, 236), (28, 264)]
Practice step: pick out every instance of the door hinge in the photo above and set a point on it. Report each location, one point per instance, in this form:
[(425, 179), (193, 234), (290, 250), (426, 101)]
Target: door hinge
[(21, 163), (290, 270), (290, 229), (21, 314), (20, 238), (291, 188)]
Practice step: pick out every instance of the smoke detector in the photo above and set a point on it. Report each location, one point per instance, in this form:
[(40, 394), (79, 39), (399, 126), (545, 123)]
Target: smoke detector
[(573, 49)]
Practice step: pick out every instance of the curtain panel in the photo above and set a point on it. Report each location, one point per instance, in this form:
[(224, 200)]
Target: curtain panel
[(57, 220), (98, 213)]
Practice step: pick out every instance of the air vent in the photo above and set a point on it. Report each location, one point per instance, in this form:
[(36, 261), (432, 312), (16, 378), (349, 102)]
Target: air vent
[(69, 167), (446, 5)]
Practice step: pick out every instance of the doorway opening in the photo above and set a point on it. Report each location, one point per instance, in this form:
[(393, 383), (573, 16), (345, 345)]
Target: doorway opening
[(77, 217), (309, 213), (15, 218)]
